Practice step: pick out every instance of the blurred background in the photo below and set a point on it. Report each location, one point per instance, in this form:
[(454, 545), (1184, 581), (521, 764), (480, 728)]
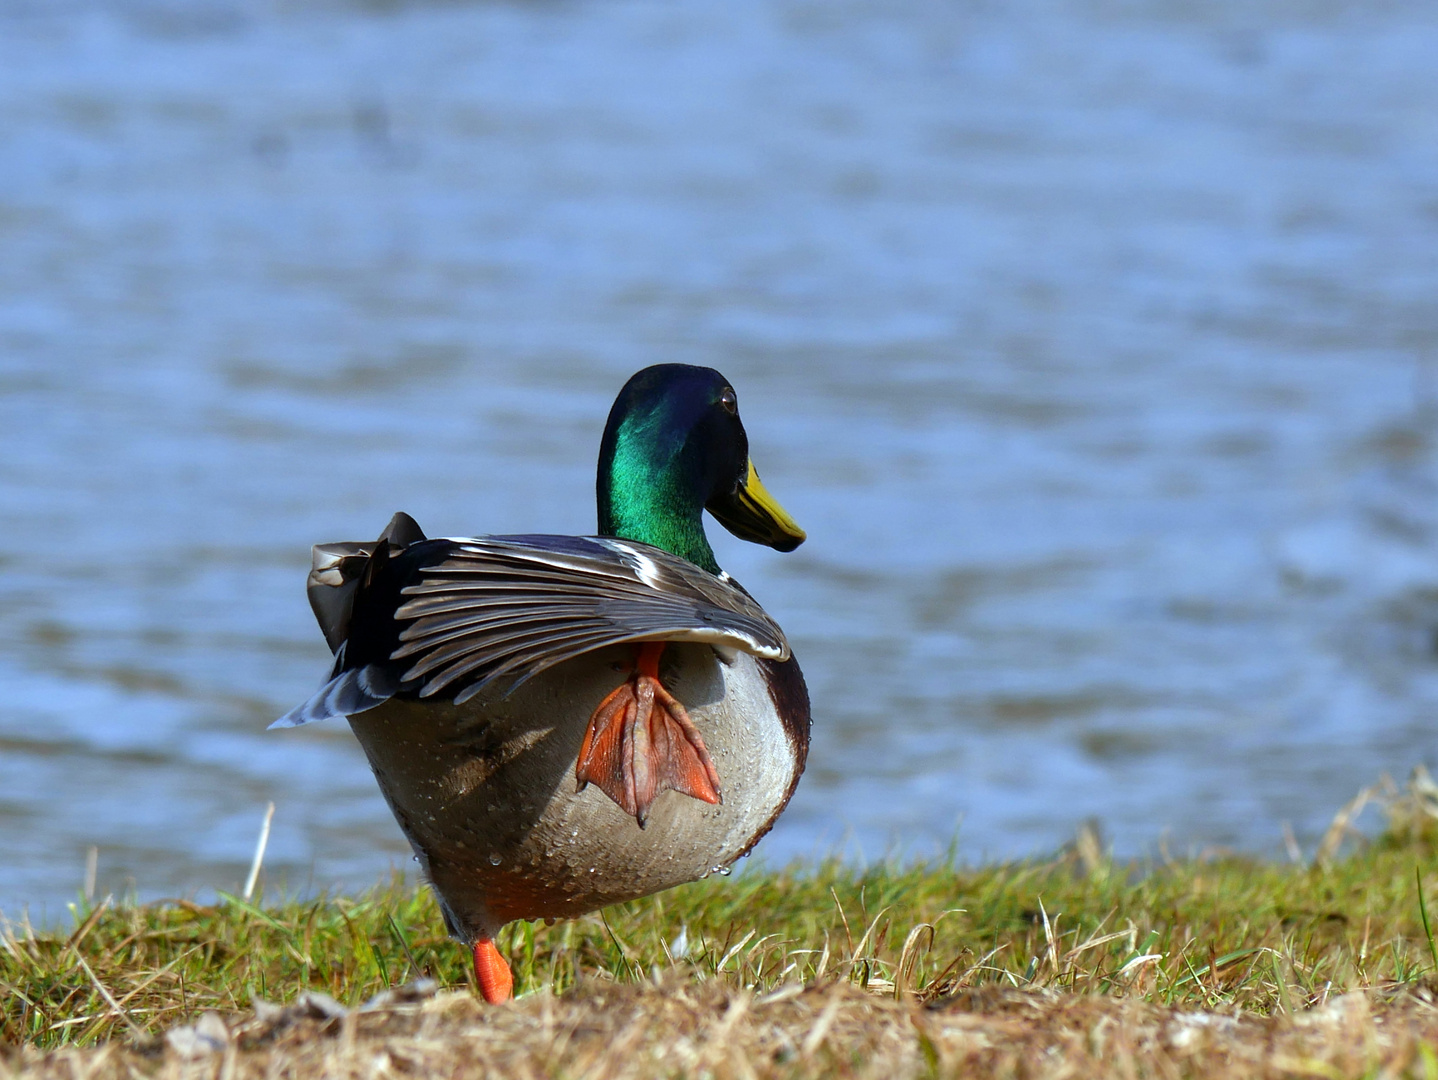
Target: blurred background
[(1092, 341)]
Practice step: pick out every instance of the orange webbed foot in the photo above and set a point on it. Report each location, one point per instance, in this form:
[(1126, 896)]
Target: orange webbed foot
[(640, 742), (491, 971)]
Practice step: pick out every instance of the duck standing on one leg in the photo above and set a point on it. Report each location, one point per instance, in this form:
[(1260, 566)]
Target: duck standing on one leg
[(525, 701)]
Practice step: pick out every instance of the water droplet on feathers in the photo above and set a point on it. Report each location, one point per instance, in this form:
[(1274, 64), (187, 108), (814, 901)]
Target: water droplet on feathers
[(494, 859)]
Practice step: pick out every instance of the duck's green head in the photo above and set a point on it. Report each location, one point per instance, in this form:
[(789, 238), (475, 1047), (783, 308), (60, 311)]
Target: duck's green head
[(674, 447)]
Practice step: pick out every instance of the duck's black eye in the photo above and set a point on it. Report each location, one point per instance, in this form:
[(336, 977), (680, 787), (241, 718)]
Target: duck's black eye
[(729, 401)]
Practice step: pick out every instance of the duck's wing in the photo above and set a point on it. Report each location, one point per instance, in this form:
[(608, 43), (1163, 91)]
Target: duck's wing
[(513, 606), (452, 616)]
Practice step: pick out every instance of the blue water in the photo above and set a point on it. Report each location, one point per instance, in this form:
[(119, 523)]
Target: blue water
[(1094, 343)]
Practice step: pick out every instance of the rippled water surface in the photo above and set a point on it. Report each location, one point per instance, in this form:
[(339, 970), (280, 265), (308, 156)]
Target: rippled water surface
[(1093, 342)]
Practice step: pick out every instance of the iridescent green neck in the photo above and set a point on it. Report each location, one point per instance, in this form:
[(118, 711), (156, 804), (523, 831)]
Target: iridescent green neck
[(647, 494)]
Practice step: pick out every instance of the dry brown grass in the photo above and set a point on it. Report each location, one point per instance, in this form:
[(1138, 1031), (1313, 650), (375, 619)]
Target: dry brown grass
[(612, 1031)]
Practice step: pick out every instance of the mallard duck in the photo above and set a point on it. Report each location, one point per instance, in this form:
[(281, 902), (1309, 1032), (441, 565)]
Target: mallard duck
[(560, 723)]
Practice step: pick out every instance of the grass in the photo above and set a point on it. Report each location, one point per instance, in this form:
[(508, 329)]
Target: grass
[(1078, 937)]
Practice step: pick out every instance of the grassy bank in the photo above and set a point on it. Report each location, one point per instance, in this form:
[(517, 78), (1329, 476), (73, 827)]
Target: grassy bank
[(1077, 937)]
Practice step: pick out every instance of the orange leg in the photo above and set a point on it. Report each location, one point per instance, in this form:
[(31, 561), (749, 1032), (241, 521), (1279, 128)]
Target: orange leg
[(640, 742), (496, 982)]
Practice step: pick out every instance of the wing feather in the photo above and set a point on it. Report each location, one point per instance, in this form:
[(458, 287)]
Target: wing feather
[(496, 644), (514, 606), (440, 630), (574, 644)]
